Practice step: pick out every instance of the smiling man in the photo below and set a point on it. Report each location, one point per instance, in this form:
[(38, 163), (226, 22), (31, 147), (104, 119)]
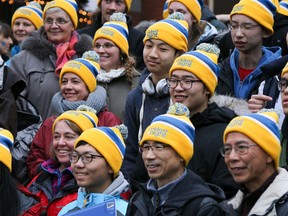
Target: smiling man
[(251, 151)]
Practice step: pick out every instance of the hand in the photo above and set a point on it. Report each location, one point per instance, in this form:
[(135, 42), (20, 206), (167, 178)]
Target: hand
[(257, 102)]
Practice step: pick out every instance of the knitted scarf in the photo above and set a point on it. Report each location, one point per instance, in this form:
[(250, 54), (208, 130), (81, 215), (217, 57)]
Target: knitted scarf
[(96, 100), (107, 77)]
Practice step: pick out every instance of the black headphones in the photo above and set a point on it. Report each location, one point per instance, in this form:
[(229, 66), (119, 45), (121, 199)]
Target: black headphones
[(161, 87)]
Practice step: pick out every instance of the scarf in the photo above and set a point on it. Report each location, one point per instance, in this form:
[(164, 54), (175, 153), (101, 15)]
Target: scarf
[(107, 77), (65, 51), (96, 100)]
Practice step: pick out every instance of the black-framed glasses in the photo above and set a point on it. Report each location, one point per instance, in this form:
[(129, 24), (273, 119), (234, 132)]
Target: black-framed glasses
[(104, 46), (282, 84), (58, 21), (240, 149), (85, 158), (157, 148), (243, 27), (186, 84)]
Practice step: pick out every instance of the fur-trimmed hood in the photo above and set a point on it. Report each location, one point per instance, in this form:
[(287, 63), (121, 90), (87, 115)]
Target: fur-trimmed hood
[(38, 44)]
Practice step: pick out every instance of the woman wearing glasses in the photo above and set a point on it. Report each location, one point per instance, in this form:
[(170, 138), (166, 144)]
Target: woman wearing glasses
[(95, 164), (47, 50), (117, 75), (55, 185)]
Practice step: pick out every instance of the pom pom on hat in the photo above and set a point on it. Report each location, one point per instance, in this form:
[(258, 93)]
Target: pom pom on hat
[(69, 6), (194, 7), (262, 11), (169, 30), (84, 117), (108, 141), (174, 129), (202, 63), (260, 127), (87, 68), (31, 12), (115, 30), (6, 144)]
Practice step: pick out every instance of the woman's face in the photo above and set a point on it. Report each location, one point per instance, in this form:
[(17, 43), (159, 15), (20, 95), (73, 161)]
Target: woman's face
[(179, 7), (73, 88), (63, 142), (109, 54), (58, 26), (22, 28)]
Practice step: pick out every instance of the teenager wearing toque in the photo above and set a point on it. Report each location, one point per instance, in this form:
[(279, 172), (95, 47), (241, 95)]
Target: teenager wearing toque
[(167, 146), (151, 97), (47, 50), (251, 151), (102, 15)]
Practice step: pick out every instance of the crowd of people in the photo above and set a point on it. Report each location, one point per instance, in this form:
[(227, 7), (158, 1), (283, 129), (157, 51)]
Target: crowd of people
[(186, 115)]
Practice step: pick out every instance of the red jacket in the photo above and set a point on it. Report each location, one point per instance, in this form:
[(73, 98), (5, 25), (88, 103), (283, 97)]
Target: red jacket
[(40, 147)]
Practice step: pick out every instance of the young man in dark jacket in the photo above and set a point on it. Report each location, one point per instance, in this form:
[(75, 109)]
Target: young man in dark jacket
[(167, 147)]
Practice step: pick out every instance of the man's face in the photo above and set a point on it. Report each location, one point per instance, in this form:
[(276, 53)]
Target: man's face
[(108, 7), (195, 98), (252, 168), (247, 34), (284, 96)]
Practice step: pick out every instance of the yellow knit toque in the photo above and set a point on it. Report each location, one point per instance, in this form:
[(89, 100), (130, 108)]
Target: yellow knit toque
[(115, 30), (173, 31), (69, 6), (127, 2), (87, 68), (262, 128), (174, 129), (6, 143), (194, 7), (262, 11), (31, 12), (108, 141), (202, 63)]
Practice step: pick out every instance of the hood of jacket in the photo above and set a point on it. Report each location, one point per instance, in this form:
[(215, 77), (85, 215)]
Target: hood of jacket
[(38, 44)]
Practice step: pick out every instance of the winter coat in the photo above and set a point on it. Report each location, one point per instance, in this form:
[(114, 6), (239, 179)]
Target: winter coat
[(190, 196), (284, 143), (117, 90), (38, 198), (114, 190), (36, 64), (153, 106), (274, 200), (209, 164), (229, 82), (135, 39)]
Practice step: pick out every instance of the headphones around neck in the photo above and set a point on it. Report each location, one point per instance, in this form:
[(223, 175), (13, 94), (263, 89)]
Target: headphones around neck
[(161, 87)]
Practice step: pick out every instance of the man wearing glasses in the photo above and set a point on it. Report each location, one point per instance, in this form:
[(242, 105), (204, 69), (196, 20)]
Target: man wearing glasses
[(167, 147), (251, 151), (241, 73), (192, 82)]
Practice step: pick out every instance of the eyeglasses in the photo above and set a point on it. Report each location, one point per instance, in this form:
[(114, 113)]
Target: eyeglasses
[(282, 85), (58, 21), (243, 27), (104, 46), (186, 84), (157, 148), (240, 149), (85, 158)]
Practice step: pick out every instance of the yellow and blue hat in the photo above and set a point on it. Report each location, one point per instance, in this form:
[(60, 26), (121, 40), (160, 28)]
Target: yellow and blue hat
[(202, 63), (6, 143), (127, 2), (262, 128), (108, 141), (173, 31), (283, 7), (262, 11), (87, 68), (31, 12), (84, 119), (115, 30), (165, 10), (194, 7), (69, 6), (174, 129)]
